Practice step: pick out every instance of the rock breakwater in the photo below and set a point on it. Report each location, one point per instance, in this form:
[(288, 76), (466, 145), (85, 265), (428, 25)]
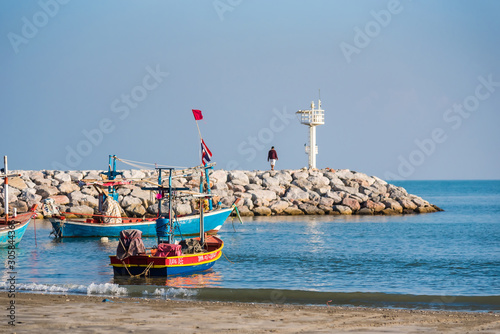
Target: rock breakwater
[(262, 193)]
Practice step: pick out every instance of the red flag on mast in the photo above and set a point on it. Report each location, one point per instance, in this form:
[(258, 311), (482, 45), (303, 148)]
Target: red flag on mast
[(197, 114), (206, 155)]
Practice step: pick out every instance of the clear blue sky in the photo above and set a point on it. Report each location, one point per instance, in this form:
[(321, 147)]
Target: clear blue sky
[(410, 89)]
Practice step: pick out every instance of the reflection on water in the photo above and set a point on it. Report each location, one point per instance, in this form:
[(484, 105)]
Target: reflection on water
[(206, 279), (451, 252), (314, 236)]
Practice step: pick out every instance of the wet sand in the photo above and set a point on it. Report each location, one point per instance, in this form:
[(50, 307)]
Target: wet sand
[(89, 314)]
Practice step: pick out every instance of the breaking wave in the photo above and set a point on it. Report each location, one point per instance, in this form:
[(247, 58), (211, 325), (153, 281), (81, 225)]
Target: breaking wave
[(171, 292), (92, 289)]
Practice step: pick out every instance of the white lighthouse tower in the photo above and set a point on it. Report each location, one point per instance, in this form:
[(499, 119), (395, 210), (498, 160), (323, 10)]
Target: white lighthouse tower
[(312, 118)]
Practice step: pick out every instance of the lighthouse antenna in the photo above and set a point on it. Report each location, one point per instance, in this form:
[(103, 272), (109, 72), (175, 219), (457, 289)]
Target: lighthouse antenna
[(312, 118)]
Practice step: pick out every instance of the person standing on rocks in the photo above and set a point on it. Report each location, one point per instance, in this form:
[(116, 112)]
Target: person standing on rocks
[(272, 156)]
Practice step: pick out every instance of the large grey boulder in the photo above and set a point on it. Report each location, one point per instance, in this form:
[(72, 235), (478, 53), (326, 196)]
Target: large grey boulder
[(365, 179), (183, 209), (75, 176), (30, 197), (262, 211), (301, 174), (67, 187), (269, 181), (419, 201), (326, 201), (134, 174), (130, 200), (279, 190), (319, 181), (279, 206), (91, 191), (220, 186), (46, 191), (253, 187), (374, 206), (393, 205), (238, 177), (62, 177), (20, 206), (344, 174), (81, 209), (302, 183), (293, 211), (262, 194), (337, 199), (342, 209), (238, 188), (218, 176), (365, 212), (135, 210), (407, 204), (296, 194), (310, 209), (17, 183), (40, 180), (60, 199), (351, 203), (245, 211), (92, 175)]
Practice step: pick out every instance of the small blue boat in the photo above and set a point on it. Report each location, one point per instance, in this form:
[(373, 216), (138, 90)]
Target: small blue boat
[(12, 231), (12, 228)]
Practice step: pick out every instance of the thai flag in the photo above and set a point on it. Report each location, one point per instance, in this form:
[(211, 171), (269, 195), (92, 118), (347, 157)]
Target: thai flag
[(206, 155)]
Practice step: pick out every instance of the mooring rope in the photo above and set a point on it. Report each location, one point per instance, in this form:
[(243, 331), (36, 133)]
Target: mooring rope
[(226, 257), (145, 272)]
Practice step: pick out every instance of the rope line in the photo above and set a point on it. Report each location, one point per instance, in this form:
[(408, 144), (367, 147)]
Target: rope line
[(145, 272), (132, 162), (226, 257)]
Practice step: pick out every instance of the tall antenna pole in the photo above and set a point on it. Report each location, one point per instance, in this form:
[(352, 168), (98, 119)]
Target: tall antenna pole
[(312, 118)]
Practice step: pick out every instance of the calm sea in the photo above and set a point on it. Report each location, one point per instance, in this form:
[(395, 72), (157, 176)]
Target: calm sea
[(445, 260)]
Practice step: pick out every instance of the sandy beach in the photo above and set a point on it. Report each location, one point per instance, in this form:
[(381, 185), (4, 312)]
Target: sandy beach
[(89, 314)]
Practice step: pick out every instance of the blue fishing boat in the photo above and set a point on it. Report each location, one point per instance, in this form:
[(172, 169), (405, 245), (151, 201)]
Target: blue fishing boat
[(111, 223), (168, 258), (12, 227), (186, 225)]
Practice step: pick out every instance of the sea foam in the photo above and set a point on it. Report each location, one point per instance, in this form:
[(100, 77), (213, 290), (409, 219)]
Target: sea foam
[(172, 292), (92, 289)]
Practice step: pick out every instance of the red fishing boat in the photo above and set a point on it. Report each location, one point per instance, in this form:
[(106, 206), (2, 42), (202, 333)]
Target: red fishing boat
[(169, 257)]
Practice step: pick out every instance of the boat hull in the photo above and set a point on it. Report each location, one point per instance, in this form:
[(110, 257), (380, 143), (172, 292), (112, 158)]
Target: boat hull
[(189, 225), (12, 236), (149, 265)]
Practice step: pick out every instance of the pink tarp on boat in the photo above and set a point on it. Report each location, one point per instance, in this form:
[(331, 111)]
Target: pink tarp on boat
[(166, 250)]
